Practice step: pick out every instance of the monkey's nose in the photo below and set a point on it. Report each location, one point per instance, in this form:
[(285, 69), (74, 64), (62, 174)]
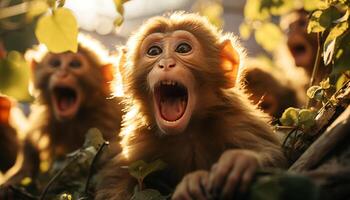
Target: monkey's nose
[(62, 73), (167, 63)]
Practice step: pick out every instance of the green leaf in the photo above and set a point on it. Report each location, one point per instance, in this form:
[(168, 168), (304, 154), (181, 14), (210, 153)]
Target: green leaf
[(319, 95), (341, 58), (298, 187), (252, 11), (59, 31), (14, 76), (307, 118), (311, 91), (93, 138), (277, 7), (314, 23), (140, 169), (61, 3), (290, 117), (269, 36), (340, 82), (118, 21), (213, 11), (36, 8), (136, 168), (148, 194), (244, 31), (320, 20), (328, 51), (329, 45), (344, 18), (119, 6), (310, 5), (325, 84), (66, 196), (267, 188)]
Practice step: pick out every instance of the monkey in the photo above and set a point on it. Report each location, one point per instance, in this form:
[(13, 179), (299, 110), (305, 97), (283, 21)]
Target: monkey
[(73, 94), (183, 108), (301, 45), (269, 88)]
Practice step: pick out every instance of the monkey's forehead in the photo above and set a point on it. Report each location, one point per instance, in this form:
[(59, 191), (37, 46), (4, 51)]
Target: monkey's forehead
[(175, 35)]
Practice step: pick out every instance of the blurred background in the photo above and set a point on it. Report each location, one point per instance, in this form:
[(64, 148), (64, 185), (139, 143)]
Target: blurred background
[(96, 16)]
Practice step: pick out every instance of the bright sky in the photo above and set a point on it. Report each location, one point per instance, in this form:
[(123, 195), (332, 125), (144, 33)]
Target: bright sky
[(98, 15)]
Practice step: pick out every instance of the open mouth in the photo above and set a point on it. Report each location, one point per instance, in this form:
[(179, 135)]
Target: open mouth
[(66, 101), (298, 49), (171, 98)]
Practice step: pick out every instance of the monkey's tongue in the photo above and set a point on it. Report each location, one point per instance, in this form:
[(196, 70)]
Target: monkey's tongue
[(172, 110), (65, 98), (65, 103)]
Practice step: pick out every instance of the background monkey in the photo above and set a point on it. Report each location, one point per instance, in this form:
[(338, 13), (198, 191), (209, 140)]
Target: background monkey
[(269, 88), (73, 93), (182, 108)]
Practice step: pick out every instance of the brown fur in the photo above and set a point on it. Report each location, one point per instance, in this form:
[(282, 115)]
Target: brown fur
[(269, 89), (226, 119), (97, 110)]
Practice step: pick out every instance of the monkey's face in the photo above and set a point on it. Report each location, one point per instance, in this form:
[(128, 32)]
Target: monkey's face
[(62, 90), (302, 46), (170, 80)]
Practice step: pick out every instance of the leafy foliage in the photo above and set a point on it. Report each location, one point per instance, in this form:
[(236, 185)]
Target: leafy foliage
[(140, 170), (300, 118), (16, 81), (276, 185), (320, 92), (212, 9), (328, 18), (68, 179)]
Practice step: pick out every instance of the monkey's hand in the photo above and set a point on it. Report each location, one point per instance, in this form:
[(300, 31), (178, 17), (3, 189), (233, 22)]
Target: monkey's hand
[(192, 186), (234, 168)]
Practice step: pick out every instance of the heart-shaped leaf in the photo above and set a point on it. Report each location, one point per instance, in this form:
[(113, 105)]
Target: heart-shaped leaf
[(307, 118), (311, 91), (290, 117), (59, 31), (140, 169)]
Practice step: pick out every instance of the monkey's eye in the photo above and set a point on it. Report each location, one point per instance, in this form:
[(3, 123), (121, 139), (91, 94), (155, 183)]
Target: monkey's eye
[(75, 63), (55, 62), (183, 48), (154, 50)]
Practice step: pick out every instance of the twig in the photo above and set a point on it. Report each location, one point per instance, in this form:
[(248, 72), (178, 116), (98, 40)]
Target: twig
[(14, 10), (316, 65), (92, 166), (23, 193), (57, 175)]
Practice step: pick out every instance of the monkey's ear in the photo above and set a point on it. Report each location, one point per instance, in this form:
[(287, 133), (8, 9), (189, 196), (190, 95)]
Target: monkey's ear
[(229, 62), (108, 76), (33, 64), (108, 72)]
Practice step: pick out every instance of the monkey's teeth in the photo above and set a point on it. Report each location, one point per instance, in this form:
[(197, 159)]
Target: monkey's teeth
[(169, 82)]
